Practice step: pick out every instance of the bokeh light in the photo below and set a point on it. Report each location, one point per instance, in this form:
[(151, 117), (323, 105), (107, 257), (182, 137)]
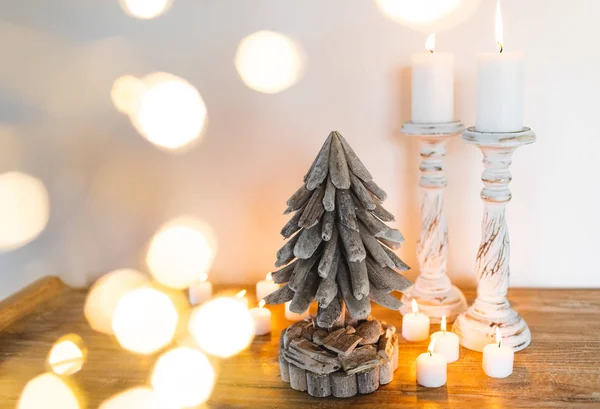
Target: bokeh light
[(24, 209), (67, 355), (145, 9), (171, 115), (138, 398), (145, 321), (126, 93), (106, 293), (181, 252), (183, 376), (428, 15), (269, 62), (47, 391), (222, 327)]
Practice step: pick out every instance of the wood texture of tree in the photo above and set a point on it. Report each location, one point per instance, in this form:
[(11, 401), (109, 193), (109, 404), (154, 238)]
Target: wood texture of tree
[(339, 248)]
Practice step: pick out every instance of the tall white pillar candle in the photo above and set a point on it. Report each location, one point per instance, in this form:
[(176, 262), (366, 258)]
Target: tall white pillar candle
[(200, 291), (500, 87), (431, 368), (446, 343), (415, 325), (292, 316), (262, 319), (432, 85), (265, 287), (498, 359)]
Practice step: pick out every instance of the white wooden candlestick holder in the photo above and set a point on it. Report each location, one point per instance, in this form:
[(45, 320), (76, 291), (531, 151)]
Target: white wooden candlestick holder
[(434, 292), (476, 326)]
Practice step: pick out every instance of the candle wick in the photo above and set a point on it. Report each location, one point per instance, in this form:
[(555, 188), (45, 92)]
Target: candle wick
[(500, 47), (430, 51), (430, 353)]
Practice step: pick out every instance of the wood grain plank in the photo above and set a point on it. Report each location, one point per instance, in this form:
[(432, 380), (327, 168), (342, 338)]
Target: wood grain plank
[(561, 368)]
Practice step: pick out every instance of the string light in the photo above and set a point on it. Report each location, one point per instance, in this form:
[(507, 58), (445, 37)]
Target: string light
[(105, 294), (67, 355), (222, 327), (183, 376), (145, 9), (145, 320), (47, 391), (138, 398)]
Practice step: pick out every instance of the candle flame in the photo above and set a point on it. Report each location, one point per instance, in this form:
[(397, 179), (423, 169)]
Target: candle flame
[(430, 43), (269, 277), (241, 294), (499, 30), (498, 337), (431, 347), (443, 324), (415, 306), (203, 277), (261, 303)]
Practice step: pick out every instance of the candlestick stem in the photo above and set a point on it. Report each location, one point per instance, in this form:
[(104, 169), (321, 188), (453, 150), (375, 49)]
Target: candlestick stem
[(476, 326), (433, 290)]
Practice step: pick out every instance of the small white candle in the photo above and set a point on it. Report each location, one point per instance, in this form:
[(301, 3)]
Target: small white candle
[(241, 296), (432, 85), (265, 287), (446, 343), (415, 325), (262, 319), (431, 368), (498, 359), (200, 291), (500, 87), (292, 316)]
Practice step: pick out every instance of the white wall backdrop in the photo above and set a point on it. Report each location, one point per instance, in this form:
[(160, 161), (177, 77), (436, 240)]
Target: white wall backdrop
[(110, 189)]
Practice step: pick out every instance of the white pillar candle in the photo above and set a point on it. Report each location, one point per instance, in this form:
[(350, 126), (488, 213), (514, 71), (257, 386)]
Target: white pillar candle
[(415, 325), (498, 359), (431, 368), (432, 85), (265, 287), (262, 319), (500, 88), (200, 291), (241, 296), (446, 343), (292, 316)]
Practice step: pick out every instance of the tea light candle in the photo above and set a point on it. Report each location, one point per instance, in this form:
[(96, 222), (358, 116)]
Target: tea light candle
[(432, 85), (265, 287), (200, 291), (415, 325), (292, 316), (241, 297), (499, 87), (262, 319), (498, 359), (431, 368), (446, 343)]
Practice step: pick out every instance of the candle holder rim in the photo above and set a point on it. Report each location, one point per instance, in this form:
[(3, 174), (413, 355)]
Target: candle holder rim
[(432, 129), (499, 139)]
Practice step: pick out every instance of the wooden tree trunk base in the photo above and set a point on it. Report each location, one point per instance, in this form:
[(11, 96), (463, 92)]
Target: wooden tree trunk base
[(325, 370)]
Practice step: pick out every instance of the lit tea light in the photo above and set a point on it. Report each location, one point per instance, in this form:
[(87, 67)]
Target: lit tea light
[(200, 291), (446, 343), (431, 368), (498, 359), (262, 319), (67, 355), (266, 287), (241, 296), (415, 325), (292, 316)]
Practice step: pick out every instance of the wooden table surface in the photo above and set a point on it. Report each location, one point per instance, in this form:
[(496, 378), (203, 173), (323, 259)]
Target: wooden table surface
[(561, 368)]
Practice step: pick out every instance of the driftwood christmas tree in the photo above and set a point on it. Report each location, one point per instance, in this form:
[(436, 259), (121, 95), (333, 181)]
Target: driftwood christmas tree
[(339, 250)]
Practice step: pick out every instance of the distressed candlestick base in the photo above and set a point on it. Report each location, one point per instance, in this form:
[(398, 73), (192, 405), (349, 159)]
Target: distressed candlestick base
[(476, 326), (447, 304), (434, 292)]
